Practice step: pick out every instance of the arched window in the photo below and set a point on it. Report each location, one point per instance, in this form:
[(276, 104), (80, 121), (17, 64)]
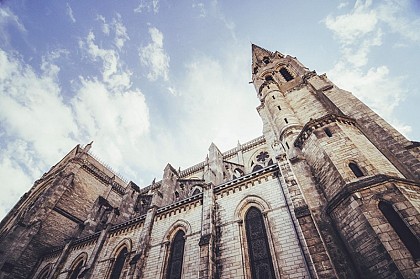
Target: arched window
[(258, 249), (44, 273), (176, 256), (196, 192), (410, 241), (76, 269), (119, 264), (356, 170)]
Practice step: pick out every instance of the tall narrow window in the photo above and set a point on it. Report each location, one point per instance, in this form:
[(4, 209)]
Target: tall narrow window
[(286, 75), (410, 241), (259, 251), (76, 270), (356, 170), (119, 264), (176, 256)]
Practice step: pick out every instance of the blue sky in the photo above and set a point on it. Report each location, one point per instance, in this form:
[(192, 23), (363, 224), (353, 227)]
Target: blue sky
[(152, 82)]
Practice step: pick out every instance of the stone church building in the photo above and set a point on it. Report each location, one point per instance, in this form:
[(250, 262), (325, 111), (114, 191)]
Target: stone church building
[(330, 190)]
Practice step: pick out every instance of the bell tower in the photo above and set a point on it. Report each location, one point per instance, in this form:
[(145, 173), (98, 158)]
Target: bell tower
[(340, 162)]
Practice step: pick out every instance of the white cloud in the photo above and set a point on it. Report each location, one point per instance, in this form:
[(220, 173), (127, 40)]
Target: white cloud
[(154, 56), (105, 25), (35, 122), (358, 32), (118, 27), (121, 35), (215, 105), (69, 12), (147, 5)]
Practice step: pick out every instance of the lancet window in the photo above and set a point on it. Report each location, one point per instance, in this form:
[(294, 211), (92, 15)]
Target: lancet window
[(409, 239), (119, 264), (176, 256), (258, 248)]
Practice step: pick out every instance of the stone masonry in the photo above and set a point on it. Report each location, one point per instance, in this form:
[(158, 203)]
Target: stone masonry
[(330, 190)]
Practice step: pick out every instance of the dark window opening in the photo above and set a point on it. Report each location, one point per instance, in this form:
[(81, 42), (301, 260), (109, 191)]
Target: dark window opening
[(285, 120), (76, 270), (287, 145), (176, 194), (286, 75), (256, 167), (356, 170), (119, 264), (196, 192), (411, 242), (266, 60), (279, 107), (44, 273), (328, 132), (259, 251), (273, 97), (176, 256), (255, 70), (268, 78)]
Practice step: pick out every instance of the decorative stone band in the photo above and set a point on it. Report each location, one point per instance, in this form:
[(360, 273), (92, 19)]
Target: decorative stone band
[(314, 124), (361, 184)]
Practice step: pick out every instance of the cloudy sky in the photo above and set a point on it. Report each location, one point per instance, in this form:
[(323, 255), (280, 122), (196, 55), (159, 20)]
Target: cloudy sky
[(152, 82)]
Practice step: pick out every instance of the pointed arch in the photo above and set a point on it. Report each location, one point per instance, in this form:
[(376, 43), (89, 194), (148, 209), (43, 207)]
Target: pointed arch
[(77, 265), (120, 255), (45, 272), (408, 238)]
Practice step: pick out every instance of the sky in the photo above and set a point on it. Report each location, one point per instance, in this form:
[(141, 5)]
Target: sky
[(156, 82)]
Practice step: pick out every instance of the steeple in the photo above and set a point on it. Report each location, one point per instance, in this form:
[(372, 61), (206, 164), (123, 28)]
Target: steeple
[(262, 57)]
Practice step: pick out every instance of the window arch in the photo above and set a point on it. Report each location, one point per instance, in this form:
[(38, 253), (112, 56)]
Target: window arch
[(45, 272), (356, 170), (409, 239), (76, 268), (176, 256), (119, 263), (258, 248)]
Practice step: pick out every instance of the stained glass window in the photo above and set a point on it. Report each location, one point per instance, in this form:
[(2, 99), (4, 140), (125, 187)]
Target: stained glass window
[(176, 256), (259, 251)]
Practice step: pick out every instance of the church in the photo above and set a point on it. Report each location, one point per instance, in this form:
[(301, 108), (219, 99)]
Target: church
[(329, 190)]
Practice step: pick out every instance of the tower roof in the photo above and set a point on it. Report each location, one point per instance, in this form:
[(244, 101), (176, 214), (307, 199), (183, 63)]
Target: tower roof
[(258, 53)]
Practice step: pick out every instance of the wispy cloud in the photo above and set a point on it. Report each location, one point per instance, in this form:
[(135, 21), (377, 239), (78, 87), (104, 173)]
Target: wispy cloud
[(147, 6), (154, 57), (7, 17), (69, 12), (117, 27)]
